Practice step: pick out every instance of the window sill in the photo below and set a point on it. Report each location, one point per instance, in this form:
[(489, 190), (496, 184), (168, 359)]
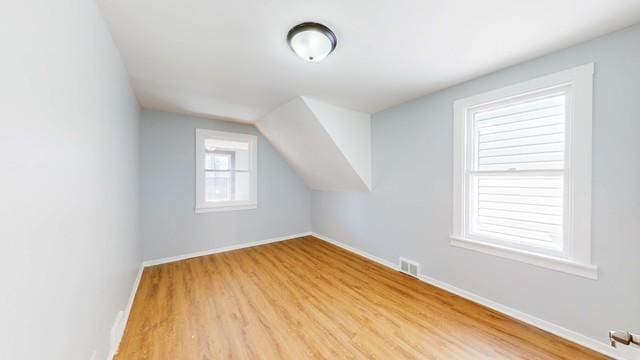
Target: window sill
[(571, 267), (201, 210)]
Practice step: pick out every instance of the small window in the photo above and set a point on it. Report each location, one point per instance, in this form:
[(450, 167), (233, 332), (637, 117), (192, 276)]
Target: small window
[(226, 166), (522, 172)]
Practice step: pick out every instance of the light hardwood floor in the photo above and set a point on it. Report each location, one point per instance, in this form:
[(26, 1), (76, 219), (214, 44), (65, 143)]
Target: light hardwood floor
[(307, 299)]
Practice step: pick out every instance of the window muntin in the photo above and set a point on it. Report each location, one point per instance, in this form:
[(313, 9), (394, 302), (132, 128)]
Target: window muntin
[(225, 171)]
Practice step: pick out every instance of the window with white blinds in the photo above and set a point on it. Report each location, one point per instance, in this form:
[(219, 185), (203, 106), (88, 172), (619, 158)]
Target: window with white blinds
[(516, 181), (522, 171)]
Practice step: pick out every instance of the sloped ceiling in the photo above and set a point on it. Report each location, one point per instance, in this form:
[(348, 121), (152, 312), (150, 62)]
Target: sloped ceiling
[(328, 146), (229, 59)]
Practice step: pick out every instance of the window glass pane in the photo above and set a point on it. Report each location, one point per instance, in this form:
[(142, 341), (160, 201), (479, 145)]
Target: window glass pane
[(227, 186), (521, 208), (227, 155), (523, 135), (242, 186), (219, 186), (242, 160), (218, 161)]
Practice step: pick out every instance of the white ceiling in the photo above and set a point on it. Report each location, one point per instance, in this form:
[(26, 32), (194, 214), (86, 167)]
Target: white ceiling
[(229, 59)]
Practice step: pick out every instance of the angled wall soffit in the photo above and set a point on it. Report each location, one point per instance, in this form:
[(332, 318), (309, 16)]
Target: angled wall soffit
[(328, 146)]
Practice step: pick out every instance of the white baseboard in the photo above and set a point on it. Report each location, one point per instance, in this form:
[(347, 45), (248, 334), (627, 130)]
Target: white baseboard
[(617, 353), (222, 249), (120, 323), (117, 331), (357, 251)]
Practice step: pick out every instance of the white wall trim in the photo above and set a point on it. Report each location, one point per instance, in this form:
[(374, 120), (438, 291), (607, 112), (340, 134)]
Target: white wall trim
[(222, 249), (356, 251), (248, 206), (565, 265), (121, 324), (550, 327)]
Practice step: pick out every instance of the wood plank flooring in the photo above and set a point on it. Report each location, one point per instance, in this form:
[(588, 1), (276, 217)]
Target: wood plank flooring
[(307, 299)]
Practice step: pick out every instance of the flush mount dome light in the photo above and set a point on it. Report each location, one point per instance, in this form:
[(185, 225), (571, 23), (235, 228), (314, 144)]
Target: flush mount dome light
[(312, 41)]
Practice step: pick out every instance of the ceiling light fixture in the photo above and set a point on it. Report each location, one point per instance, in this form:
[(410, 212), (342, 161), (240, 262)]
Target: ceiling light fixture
[(311, 41)]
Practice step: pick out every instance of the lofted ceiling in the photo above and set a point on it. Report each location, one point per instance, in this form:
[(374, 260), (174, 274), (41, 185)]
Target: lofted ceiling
[(229, 59)]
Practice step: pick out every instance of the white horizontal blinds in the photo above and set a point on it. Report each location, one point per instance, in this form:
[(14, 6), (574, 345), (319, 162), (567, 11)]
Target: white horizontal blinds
[(527, 135), (517, 181), (523, 208)]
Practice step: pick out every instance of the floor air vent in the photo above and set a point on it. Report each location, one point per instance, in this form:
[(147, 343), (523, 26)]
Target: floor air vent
[(409, 267)]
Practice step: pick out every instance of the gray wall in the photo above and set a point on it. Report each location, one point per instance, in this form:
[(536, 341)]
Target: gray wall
[(409, 211), (68, 183), (169, 225)]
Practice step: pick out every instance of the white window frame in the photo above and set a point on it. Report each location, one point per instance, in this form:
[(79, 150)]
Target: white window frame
[(202, 206), (576, 258)]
